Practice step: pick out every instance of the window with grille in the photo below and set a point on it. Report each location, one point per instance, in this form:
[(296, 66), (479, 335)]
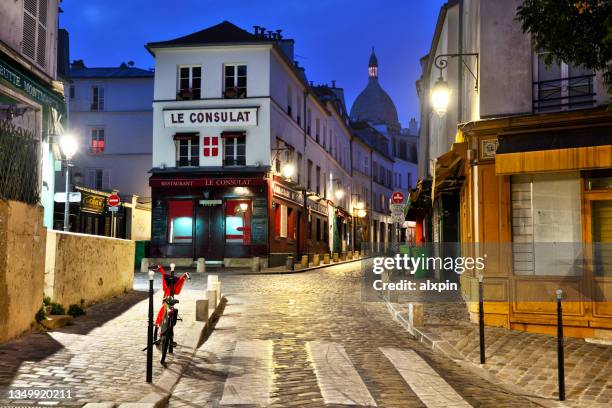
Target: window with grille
[(34, 40), (98, 141), (235, 81), (97, 98), (189, 82)]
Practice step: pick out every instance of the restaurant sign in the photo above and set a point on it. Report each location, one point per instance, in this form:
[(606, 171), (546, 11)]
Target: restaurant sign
[(30, 87), (288, 194), (205, 182), (174, 118)]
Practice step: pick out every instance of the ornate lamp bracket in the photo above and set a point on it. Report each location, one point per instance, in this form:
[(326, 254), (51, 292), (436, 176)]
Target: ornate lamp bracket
[(441, 62)]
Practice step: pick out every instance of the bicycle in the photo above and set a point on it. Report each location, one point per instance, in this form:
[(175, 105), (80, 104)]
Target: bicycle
[(168, 314)]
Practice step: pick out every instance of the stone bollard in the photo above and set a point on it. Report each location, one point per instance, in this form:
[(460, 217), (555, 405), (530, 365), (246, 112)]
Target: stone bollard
[(316, 260), (326, 259), (289, 263), (416, 314), (255, 264), (201, 268), (343, 256), (211, 294), (356, 255), (218, 291), (304, 261), (144, 265), (349, 255), (202, 310), (335, 257), (212, 280)]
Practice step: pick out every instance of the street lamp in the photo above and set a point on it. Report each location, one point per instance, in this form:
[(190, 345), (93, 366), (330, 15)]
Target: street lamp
[(68, 145), (361, 213), (440, 96), (339, 193), (440, 93), (288, 170)]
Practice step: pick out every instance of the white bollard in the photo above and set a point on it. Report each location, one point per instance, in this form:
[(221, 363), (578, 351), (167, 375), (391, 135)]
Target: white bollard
[(211, 281), (144, 265), (416, 316), (255, 267), (212, 300), (218, 291), (201, 268)]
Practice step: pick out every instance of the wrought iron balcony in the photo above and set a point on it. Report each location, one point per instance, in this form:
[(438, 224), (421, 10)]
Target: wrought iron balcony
[(563, 93)]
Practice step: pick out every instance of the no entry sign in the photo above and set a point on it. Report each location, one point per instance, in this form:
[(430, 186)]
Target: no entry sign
[(397, 197), (113, 200)]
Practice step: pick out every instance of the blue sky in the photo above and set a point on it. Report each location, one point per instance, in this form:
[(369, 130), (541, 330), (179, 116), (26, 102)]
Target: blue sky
[(333, 38)]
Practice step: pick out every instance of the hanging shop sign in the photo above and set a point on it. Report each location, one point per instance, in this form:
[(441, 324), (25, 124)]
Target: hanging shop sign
[(210, 117), (318, 207), (205, 182)]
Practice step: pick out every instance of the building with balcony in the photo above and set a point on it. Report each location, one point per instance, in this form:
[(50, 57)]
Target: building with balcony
[(516, 160), (249, 159)]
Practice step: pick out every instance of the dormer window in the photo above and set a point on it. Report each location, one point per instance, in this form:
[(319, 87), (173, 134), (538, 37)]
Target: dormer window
[(235, 81), (189, 82)]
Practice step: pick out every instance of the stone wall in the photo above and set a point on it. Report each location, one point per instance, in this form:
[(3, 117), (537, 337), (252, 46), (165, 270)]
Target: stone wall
[(87, 267), (22, 256)]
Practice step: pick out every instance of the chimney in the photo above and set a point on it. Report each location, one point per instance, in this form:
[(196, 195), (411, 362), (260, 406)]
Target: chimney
[(256, 30), (278, 34), (262, 32), (269, 34), (286, 45), (333, 83)]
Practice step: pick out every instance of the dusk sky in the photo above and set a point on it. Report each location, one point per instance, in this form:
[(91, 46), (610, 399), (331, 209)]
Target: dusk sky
[(333, 39)]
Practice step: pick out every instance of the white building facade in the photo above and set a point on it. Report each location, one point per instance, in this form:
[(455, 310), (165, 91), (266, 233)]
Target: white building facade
[(249, 160)]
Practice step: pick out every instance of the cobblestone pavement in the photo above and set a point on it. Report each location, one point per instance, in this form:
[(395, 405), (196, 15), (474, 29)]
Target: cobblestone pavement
[(99, 357), (286, 317), (527, 360)]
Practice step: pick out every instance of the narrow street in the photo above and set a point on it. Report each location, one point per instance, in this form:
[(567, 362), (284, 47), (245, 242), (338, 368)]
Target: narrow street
[(307, 340)]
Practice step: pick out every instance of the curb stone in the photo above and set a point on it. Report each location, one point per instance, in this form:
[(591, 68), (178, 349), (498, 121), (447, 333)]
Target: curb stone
[(162, 388), (443, 347)]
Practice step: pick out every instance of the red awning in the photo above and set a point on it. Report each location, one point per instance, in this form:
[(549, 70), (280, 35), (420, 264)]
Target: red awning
[(233, 134), (186, 136)]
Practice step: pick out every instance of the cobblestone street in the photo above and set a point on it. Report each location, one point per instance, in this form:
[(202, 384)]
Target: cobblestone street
[(307, 340)]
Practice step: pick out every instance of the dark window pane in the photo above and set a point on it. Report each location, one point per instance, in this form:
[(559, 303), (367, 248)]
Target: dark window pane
[(242, 82), (184, 73), (242, 70), (229, 70), (196, 72), (196, 93), (184, 83)]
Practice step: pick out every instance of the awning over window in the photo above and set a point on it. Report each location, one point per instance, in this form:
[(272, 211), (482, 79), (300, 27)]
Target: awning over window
[(419, 200), (579, 148), (233, 134), (449, 170), (186, 136)]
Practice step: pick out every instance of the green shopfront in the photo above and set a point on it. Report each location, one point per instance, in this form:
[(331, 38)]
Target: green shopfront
[(32, 116)]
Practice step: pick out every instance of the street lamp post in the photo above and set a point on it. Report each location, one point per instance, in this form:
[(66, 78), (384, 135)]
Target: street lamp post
[(440, 93), (68, 146)]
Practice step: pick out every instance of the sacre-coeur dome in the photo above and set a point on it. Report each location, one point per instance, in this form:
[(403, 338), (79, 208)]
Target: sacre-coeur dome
[(373, 104)]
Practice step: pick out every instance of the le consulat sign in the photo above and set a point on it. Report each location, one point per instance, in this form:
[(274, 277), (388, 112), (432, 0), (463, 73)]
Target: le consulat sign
[(210, 117)]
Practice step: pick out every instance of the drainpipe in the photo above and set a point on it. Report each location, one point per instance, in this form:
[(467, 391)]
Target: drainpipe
[(305, 220), (460, 65)]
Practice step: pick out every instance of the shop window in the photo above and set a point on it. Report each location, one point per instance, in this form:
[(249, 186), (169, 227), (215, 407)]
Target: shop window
[(98, 141), (318, 229), (187, 149), (180, 221), (238, 214), (235, 81), (601, 226), (325, 231), (234, 149), (282, 220), (189, 82), (546, 224)]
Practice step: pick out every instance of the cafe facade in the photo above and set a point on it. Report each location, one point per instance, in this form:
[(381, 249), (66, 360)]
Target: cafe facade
[(245, 163)]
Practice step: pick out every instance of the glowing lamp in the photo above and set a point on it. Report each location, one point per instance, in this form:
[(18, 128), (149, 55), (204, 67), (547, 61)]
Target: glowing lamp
[(68, 145), (288, 170), (440, 96)]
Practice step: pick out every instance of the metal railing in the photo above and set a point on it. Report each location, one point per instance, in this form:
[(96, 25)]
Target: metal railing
[(19, 164), (564, 93)]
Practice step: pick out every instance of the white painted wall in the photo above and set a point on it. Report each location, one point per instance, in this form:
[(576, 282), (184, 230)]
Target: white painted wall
[(127, 121)]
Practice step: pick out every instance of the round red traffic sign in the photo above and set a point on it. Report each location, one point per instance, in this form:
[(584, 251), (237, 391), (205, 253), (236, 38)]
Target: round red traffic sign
[(113, 200), (397, 197)]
